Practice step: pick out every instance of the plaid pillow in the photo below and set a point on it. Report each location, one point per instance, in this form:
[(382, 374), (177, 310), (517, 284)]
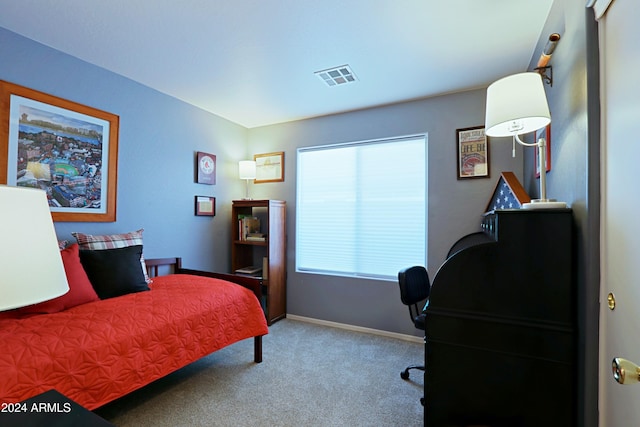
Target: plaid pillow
[(112, 241)]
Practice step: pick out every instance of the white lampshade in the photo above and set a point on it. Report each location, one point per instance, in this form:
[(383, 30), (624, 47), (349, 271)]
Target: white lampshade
[(247, 169), (516, 105), (31, 265)]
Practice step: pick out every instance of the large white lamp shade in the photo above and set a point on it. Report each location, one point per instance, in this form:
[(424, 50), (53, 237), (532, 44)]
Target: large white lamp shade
[(516, 105), (247, 169), (31, 269)]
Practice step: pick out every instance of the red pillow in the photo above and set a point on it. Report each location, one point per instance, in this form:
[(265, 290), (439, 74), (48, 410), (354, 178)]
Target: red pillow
[(80, 289)]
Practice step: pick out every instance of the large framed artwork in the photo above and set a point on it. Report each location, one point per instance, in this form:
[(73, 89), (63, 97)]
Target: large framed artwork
[(67, 149), (473, 153)]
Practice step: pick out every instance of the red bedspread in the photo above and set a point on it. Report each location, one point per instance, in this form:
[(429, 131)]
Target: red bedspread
[(97, 352)]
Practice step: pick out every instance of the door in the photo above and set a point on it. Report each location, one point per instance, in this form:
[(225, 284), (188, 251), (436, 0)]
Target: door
[(619, 33)]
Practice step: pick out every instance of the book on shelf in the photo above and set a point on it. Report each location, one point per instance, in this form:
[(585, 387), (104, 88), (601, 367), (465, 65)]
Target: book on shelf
[(248, 225), (252, 270)]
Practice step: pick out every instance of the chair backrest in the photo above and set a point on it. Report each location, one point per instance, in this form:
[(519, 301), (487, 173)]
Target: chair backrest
[(414, 288), (414, 284)]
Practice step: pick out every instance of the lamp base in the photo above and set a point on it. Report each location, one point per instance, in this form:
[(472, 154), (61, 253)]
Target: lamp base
[(544, 204), (246, 197)]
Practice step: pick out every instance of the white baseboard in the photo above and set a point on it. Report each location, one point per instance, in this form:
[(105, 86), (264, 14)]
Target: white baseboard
[(396, 335)]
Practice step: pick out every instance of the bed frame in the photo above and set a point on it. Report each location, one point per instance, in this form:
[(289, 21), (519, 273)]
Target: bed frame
[(157, 266)]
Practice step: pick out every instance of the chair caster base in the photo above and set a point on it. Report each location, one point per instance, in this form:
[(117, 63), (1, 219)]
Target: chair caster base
[(405, 374)]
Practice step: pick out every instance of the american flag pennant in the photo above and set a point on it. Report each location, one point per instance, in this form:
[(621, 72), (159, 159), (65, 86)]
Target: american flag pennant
[(508, 194)]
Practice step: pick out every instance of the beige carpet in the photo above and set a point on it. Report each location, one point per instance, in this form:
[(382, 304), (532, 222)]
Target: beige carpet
[(311, 376)]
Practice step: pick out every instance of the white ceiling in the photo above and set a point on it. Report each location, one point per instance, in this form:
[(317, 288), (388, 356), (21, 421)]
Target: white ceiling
[(253, 61)]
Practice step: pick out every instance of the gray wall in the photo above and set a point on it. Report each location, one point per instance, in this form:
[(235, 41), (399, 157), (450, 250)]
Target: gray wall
[(159, 136), (574, 178), (454, 206)]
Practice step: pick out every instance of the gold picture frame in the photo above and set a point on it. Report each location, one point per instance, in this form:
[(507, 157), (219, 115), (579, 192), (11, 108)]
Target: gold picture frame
[(67, 149), (269, 167)]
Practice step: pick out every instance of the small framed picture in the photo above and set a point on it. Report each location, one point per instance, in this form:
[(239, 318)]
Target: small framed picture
[(205, 168), (205, 206), (545, 133), (269, 167), (473, 153)]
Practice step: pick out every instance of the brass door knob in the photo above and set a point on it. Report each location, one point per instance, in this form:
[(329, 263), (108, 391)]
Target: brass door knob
[(624, 371)]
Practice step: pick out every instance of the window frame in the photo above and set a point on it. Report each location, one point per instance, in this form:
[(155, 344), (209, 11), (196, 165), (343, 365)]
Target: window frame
[(299, 182)]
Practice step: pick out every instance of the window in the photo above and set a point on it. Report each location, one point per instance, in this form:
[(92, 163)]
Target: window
[(361, 207)]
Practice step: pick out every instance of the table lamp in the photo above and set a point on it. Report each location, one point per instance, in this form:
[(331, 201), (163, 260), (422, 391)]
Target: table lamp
[(31, 268), (247, 171), (517, 105)]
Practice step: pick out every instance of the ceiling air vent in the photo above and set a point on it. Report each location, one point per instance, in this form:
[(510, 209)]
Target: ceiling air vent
[(337, 76)]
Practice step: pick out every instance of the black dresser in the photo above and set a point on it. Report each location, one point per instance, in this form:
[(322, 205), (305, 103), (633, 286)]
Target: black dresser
[(501, 325)]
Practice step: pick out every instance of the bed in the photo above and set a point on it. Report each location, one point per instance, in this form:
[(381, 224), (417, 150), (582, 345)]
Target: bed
[(98, 351)]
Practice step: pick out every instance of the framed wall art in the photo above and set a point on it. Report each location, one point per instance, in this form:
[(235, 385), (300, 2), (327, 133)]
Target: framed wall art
[(205, 168), (473, 153), (67, 149), (205, 206), (545, 133), (269, 167)]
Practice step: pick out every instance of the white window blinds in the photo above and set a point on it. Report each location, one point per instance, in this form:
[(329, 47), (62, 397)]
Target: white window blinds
[(361, 207)]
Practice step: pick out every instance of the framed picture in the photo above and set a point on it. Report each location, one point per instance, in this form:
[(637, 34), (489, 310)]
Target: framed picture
[(205, 206), (545, 133), (205, 168), (473, 153), (269, 167), (67, 149)]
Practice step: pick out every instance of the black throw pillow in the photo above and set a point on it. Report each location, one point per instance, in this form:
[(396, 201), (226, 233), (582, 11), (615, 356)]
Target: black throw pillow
[(114, 272)]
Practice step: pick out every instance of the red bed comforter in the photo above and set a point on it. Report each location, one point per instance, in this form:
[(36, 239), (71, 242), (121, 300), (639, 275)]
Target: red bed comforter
[(99, 351)]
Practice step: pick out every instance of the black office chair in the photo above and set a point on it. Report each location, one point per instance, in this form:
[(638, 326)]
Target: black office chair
[(414, 288)]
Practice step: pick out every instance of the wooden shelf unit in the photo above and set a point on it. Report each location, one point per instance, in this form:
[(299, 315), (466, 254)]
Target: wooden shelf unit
[(270, 253)]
